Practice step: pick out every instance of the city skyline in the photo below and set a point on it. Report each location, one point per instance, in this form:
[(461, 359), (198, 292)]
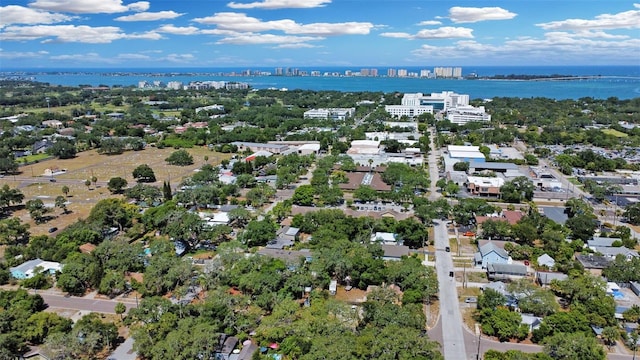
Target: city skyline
[(302, 33)]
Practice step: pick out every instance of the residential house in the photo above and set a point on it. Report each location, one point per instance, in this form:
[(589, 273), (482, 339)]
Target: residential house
[(30, 268), (612, 252), (532, 322), (498, 286), (593, 263), (394, 252), (385, 238), (545, 278), (598, 241), (489, 253), (247, 351), (55, 124), (546, 260), (41, 147), (229, 344), (87, 248), (503, 271), (635, 287)]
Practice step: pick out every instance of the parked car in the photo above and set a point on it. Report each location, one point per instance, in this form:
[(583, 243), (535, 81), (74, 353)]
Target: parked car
[(469, 233), (53, 229), (471, 300)]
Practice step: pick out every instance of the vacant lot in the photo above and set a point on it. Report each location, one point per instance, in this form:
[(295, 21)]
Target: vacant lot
[(87, 164)]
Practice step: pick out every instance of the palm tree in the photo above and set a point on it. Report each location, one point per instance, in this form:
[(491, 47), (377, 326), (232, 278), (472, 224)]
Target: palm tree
[(87, 183), (65, 190), (94, 180)]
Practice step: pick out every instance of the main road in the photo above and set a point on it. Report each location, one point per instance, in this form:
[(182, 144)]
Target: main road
[(452, 340)]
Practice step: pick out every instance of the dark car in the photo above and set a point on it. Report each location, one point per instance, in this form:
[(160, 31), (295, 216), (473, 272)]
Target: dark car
[(53, 229), (447, 249), (450, 273), (52, 180)]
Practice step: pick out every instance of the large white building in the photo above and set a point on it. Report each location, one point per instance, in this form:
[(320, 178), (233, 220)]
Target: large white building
[(333, 113), (418, 103), (463, 114)]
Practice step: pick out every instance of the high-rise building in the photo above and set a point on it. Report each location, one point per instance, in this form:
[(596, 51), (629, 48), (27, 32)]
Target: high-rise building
[(373, 72), (392, 72), (402, 72)]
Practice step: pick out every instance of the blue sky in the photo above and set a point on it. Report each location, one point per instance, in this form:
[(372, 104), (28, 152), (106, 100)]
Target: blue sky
[(281, 33)]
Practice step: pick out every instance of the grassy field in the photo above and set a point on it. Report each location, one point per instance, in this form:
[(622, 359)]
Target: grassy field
[(614, 132), (81, 198), (34, 157)]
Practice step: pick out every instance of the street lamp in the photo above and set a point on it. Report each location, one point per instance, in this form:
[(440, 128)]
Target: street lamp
[(478, 353)]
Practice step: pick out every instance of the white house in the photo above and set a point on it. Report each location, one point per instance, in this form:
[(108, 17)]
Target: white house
[(28, 269), (546, 260), (385, 238)]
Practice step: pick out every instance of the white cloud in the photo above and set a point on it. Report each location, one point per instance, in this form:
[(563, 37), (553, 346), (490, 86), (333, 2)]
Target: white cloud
[(72, 33), (89, 6), (445, 32), (179, 58), (150, 16), (459, 14), (556, 47), (242, 23), (22, 55), (178, 30), (280, 4), (397, 35), (14, 14), (624, 20), (429, 23), (133, 57), (261, 39), (295, 46)]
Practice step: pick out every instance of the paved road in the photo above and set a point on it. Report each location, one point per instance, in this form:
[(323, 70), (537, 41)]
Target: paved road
[(78, 303), (452, 340)]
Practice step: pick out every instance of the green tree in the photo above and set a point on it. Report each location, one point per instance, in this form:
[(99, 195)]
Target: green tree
[(116, 185), (573, 346), (8, 162), (111, 146), (517, 190), (13, 231), (63, 149), (180, 158), (632, 213), (144, 173), (61, 202), (113, 213), (365, 193), (9, 196), (303, 195), (166, 191), (259, 232), (36, 210), (461, 166), (582, 226), (41, 324), (120, 309), (65, 190)]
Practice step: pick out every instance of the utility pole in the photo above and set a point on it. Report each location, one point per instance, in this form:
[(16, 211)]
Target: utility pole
[(478, 353)]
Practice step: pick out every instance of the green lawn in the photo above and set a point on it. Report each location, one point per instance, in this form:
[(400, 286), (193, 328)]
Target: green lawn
[(34, 158), (614, 132)]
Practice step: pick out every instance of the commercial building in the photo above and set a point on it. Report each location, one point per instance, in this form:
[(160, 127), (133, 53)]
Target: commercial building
[(331, 113), (466, 153), (466, 113), (484, 186)]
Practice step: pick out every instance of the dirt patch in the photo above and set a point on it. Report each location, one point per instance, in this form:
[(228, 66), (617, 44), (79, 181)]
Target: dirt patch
[(352, 296), (88, 164)]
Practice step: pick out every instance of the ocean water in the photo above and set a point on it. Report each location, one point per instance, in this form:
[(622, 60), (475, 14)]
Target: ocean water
[(622, 82)]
